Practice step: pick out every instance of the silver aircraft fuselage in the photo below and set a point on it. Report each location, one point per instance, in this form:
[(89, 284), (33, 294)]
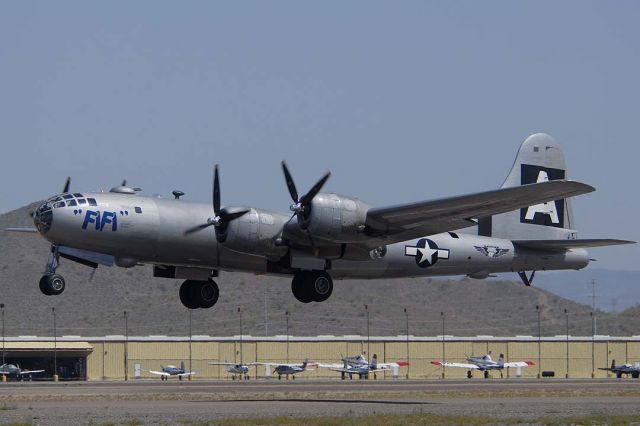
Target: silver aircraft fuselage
[(139, 230)]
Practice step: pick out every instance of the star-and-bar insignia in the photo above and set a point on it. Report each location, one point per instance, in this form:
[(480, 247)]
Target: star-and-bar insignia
[(426, 252), (491, 251)]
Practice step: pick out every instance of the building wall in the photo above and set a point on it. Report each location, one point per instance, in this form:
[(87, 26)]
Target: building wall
[(108, 358)]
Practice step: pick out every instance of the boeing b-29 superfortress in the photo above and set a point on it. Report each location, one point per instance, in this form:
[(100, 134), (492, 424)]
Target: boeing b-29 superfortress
[(526, 225)]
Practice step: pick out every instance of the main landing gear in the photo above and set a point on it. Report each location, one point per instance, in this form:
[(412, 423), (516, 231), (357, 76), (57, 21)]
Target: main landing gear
[(199, 294), (52, 284), (312, 286)]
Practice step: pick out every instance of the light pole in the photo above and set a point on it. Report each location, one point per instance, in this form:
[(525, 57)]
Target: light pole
[(126, 345), (593, 348), (443, 353), (539, 337), (286, 316), (55, 347), (190, 335), (566, 314), (366, 308), (406, 315), (240, 314), (2, 309)]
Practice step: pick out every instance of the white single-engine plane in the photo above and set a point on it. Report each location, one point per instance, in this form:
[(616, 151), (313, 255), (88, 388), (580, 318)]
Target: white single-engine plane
[(485, 364), (526, 225)]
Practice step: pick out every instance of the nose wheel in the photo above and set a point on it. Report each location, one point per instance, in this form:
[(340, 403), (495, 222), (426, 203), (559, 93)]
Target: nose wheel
[(312, 286), (52, 284)]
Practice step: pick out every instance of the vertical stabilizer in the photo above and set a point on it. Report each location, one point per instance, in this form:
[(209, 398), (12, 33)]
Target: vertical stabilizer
[(539, 159)]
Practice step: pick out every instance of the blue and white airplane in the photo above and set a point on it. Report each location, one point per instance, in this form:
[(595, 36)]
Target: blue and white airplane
[(171, 370)]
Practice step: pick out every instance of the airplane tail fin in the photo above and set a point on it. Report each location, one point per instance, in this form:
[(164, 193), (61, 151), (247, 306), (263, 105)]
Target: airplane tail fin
[(304, 364), (374, 361), (539, 159), (182, 365), (613, 364)]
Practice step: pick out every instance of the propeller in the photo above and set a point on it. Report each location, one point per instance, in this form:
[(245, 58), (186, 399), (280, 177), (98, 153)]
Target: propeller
[(67, 184), (301, 206), (222, 216)]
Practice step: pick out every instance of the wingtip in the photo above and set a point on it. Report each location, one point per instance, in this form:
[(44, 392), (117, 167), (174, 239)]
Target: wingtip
[(436, 362), (530, 363)]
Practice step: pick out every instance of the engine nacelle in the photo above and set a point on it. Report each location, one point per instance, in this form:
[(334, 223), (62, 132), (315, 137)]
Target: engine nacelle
[(336, 218), (256, 232)]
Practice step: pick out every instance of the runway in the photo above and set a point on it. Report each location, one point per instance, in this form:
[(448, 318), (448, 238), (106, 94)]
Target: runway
[(174, 402)]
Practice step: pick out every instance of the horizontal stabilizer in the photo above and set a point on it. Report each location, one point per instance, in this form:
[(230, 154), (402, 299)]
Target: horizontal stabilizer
[(569, 244)]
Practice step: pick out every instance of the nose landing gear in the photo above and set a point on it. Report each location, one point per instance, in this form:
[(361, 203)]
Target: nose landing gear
[(52, 284)]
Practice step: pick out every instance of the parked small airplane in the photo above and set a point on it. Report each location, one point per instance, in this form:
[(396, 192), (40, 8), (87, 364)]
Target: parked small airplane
[(12, 370), (171, 370), (359, 365), (235, 369), (484, 363), (289, 369), (526, 225), (619, 370)]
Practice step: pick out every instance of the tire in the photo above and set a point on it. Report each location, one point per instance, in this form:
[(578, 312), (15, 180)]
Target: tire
[(300, 287), (321, 285), (54, 284), (43, 285), (207, 294), (635, 374), (486, 374), (187, 294)]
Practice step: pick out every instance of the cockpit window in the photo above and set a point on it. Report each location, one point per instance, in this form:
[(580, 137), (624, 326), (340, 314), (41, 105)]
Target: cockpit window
[(67, 196), (92, 201), (58, 198), (82, 201), (78, 195), (72, 203), (58, 204)]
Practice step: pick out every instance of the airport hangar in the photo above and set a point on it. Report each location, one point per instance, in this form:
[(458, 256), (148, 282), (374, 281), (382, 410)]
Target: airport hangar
[(104, 358)]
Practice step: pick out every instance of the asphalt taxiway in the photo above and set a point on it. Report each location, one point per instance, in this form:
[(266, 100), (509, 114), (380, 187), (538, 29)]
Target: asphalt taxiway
[(175, 402)]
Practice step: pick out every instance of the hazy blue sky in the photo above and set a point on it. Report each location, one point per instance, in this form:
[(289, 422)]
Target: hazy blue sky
[(402, 101)]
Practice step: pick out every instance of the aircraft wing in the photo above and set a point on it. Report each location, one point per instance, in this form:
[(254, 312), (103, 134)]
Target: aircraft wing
[(226, 363), (390, 365), (29, 230), (159, 373), (456, 365), (190, 373), (22, 372), (407, 221), (518, 364)]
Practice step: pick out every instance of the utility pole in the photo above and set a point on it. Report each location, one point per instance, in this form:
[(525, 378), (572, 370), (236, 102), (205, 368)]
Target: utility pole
[(190, 341), (366, 308), (240, 314), (539, 337), (406, 314), (566, 314), (443, 353), (2, 309), (593, 305), (126, 346), (593, 350), (286, 315), (55, 347), (266, 315)]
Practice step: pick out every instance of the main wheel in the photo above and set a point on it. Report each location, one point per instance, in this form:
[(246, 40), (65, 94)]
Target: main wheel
[(469, 374), (187, 294), (43, 285), (207, 294), (486, 374), (321, 285), (52, 284), (300, 288)]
